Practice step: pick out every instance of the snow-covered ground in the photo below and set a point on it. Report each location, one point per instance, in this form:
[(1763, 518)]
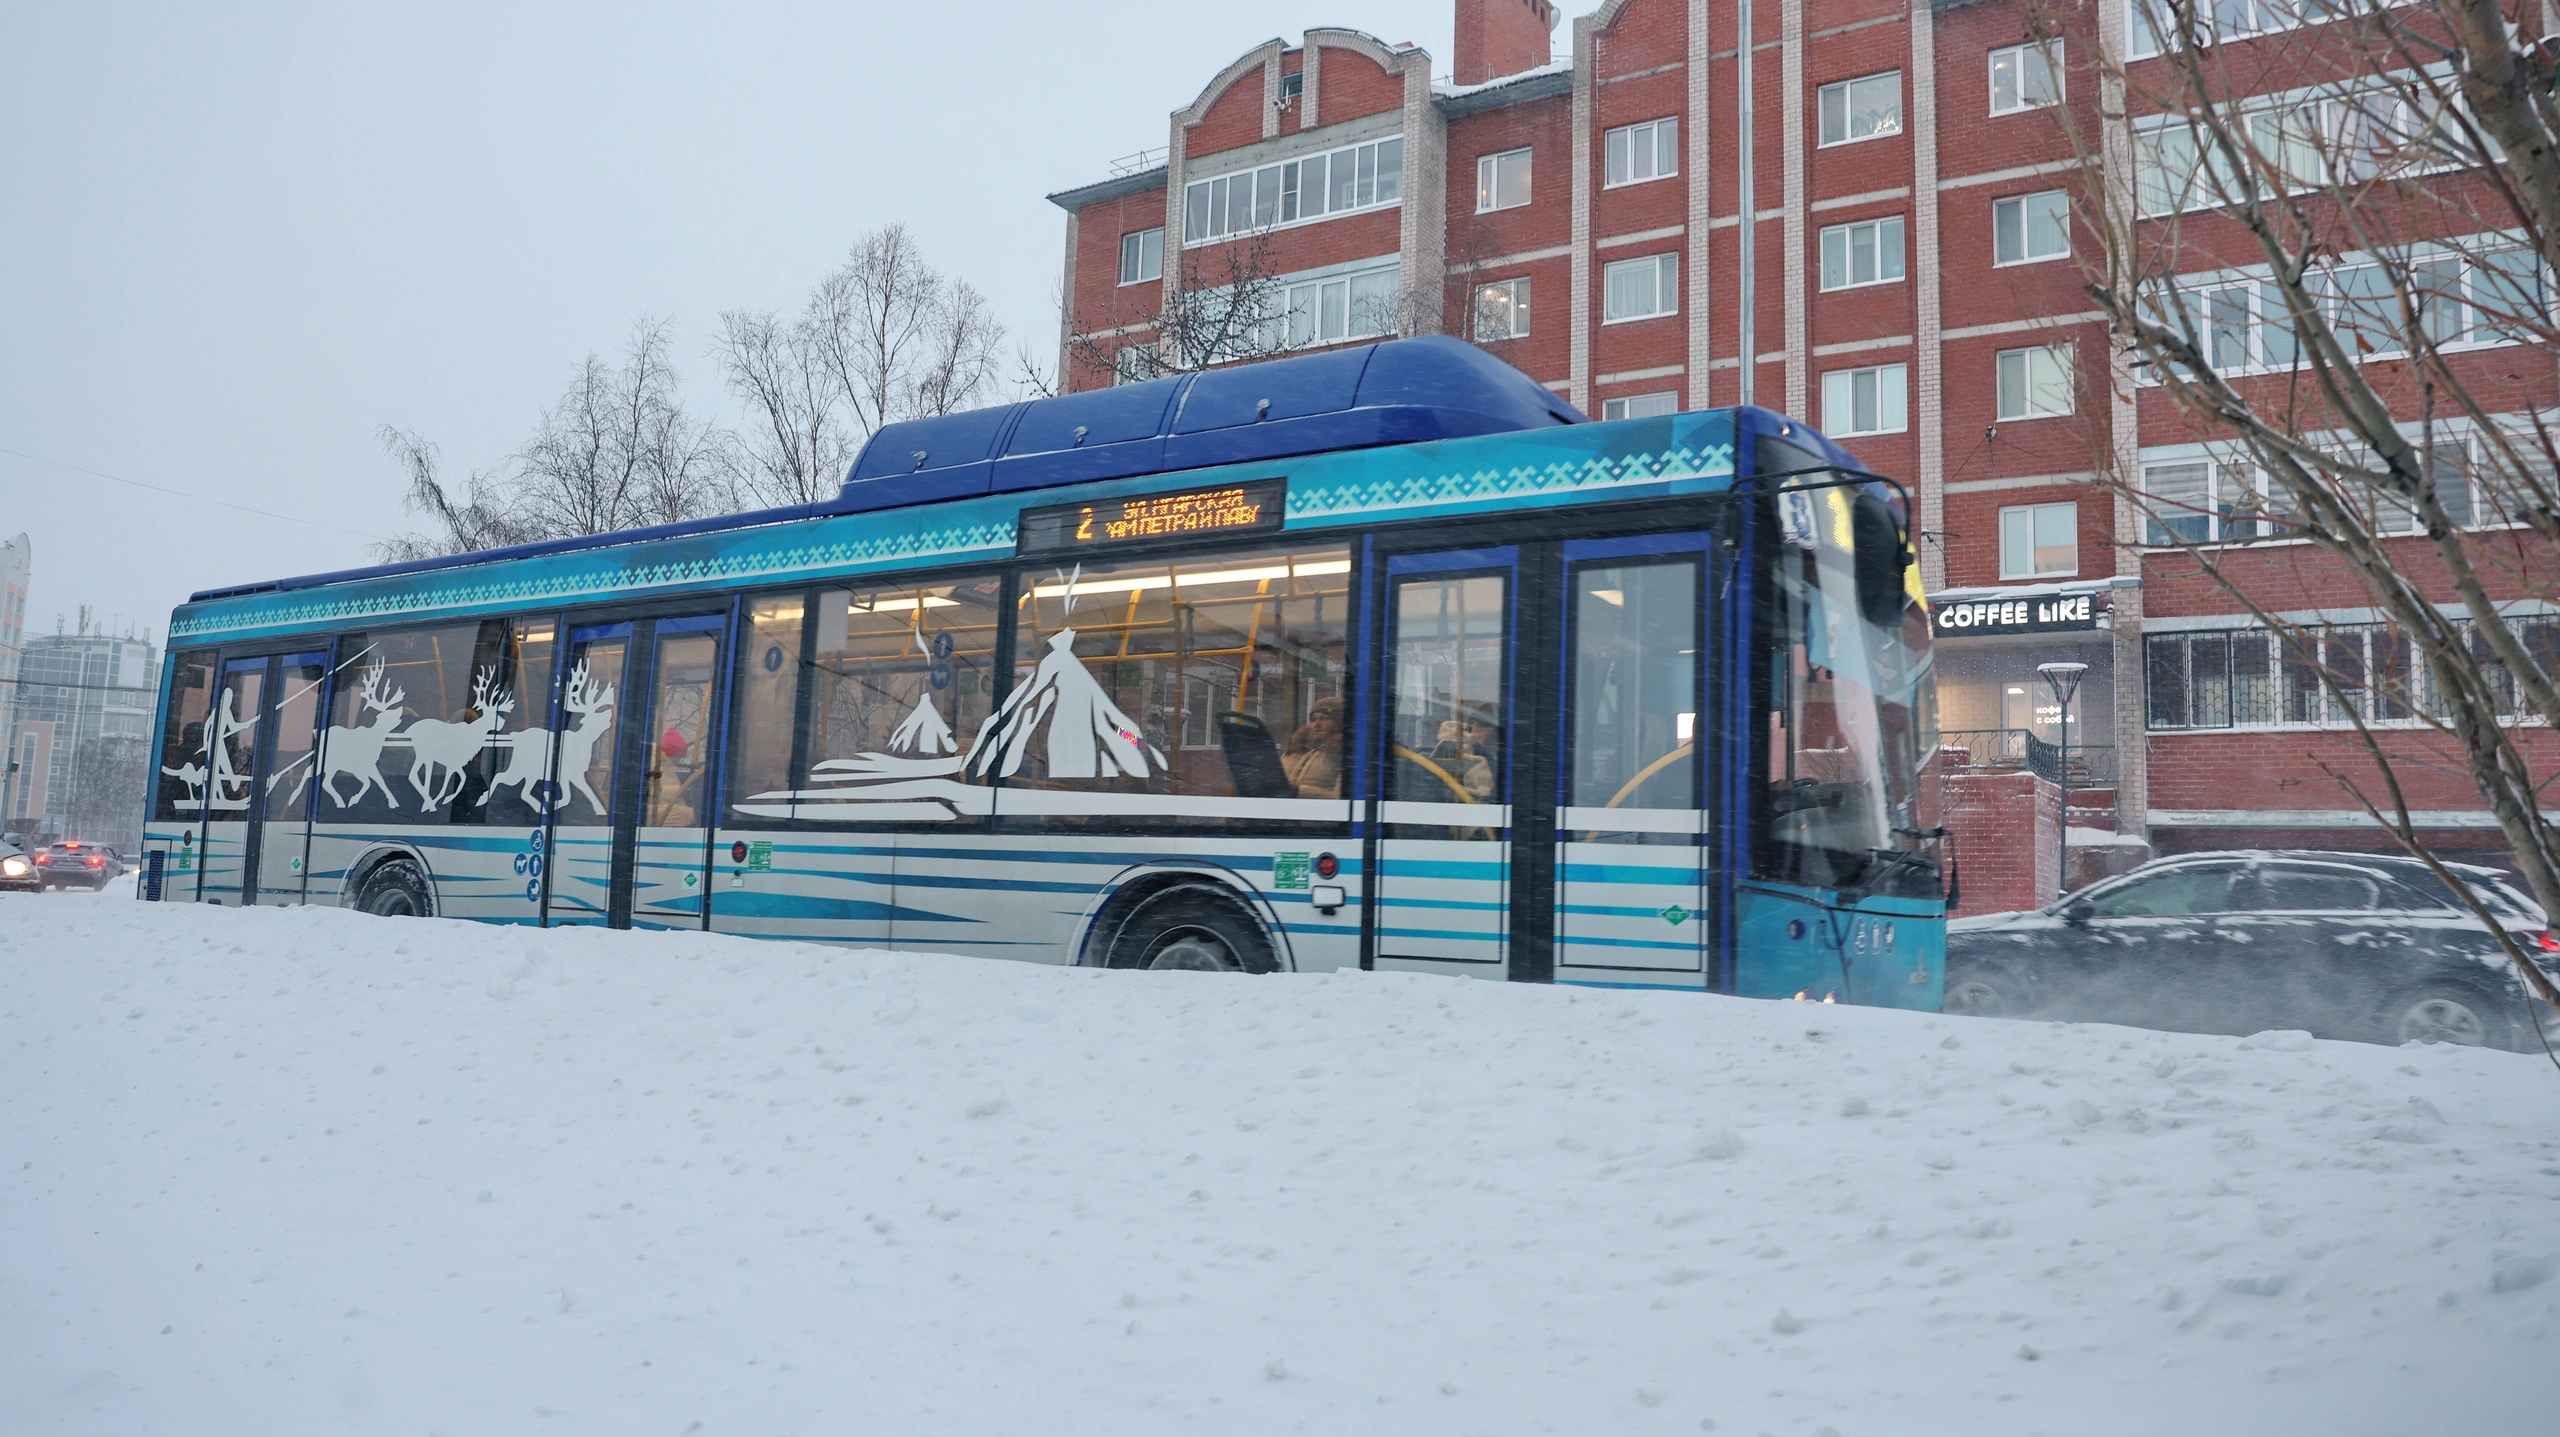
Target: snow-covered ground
[(309, 1172)]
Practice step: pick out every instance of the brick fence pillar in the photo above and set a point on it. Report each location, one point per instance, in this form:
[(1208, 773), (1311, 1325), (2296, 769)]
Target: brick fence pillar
[(2005, 834)]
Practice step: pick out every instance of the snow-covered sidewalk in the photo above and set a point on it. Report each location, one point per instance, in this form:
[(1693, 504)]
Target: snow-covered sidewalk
[(305, 1171)]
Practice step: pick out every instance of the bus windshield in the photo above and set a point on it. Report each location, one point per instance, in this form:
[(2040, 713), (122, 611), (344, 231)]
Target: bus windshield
[(1849, 797)]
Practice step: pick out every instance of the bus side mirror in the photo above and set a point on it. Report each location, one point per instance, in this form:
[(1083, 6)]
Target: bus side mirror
[(1955, 884)]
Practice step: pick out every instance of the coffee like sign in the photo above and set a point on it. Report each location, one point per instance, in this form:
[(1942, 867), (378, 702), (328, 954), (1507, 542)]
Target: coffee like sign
[(2017, 616)]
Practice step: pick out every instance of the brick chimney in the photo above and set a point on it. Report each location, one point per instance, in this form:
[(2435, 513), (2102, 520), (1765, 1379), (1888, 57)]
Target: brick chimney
[(1501, 37)]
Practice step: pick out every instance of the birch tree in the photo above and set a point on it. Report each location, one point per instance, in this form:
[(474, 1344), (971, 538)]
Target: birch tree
[(2333, 252)]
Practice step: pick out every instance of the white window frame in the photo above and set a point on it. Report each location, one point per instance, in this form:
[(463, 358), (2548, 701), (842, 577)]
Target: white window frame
[(2047, 51), (1489, 178), (1641, 406), (2028, 514), (1513, 310), (1325, 309), (2309, 134), (1890, 392), (1847, 244), (2029, 389), (1382, 159), (2231, 491), (2240, 317), (1845, 89), (2025, 254), (1140, 272), (1618, 150), (1666, 285), (2229, 20)]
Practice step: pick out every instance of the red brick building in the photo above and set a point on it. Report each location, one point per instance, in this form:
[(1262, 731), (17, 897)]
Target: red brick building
[(1904, 280)]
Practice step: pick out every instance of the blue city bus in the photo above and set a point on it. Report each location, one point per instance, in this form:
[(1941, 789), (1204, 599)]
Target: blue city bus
[(1383, 657)]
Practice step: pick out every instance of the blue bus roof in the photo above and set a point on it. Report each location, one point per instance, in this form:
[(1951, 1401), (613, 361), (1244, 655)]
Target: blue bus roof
[(1397, 391)]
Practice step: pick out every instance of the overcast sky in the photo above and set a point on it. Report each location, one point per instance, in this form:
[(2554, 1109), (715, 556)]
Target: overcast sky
[(236, 239)]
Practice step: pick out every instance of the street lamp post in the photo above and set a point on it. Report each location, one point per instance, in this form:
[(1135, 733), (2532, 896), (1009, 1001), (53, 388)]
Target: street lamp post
[(2064, 680)]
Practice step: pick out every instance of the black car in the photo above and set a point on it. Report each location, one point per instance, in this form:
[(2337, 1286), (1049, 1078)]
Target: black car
[(75, 864), (2345, 945)]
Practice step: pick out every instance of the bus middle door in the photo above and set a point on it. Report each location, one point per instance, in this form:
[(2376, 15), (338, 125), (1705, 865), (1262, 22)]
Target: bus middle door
[(635, 755)]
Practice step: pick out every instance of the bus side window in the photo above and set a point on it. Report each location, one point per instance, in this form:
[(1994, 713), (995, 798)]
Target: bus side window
[(768, 689), (1218, 677)]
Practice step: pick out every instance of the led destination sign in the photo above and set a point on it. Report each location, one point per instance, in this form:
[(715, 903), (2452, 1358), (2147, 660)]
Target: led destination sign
[(1244, 508)]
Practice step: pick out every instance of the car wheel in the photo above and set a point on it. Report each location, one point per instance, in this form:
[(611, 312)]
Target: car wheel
[(397, 889), (1982, 993), (1191, 928), (2447, 1014)]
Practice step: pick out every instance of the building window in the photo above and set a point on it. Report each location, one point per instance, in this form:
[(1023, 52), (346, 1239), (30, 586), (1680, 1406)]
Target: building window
[(2026, 77), (1357, 177), (1643, 152), (1862, 109), (1640, 406), (1869, 252), (2204, 501), (1142, 256), (1136, 363), (2040, 541), (1502, 310), (1874, 400), (2035, 383), (2243, 325), (2332, 675), (2028, 228), (1640, 288), (1328, 311), (1502, 181)]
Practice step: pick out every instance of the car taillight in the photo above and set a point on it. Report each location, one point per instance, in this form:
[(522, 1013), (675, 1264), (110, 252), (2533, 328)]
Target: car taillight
[(97, 863), (2549, 943), (44, 858)]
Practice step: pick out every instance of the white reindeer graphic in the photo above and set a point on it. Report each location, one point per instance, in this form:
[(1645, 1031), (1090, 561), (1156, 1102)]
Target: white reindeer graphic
[(357, 750), (528, 767), (442, 744), (593, 705)]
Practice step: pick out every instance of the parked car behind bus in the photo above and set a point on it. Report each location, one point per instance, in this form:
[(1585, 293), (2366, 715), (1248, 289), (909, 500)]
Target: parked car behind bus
[(2364, 946)]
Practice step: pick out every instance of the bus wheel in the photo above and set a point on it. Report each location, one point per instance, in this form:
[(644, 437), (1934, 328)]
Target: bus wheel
[(1192, 928), (396, 889)]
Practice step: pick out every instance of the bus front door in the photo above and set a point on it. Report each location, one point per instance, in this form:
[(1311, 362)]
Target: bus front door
[(1443, 856), (634, 760), (1631, 830)]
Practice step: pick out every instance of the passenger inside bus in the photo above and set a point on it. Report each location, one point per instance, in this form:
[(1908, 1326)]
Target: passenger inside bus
[(1313, 755)]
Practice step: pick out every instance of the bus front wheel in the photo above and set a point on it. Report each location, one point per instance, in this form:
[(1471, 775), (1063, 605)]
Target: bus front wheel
[(1191, 927)]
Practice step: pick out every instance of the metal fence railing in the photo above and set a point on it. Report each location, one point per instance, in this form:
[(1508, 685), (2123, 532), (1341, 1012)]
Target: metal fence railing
[(1999, 749)]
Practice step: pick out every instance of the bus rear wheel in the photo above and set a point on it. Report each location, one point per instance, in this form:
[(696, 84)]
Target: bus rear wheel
[(1192, 928), (396, 890)]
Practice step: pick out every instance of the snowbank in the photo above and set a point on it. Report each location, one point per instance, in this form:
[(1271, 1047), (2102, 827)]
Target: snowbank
[(309, 1172)]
